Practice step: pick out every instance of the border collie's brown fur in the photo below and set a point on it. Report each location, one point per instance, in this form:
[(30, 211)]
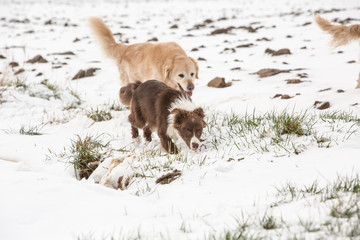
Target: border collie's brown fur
[(127, 92), (342, 35), (156, 107), (166, 62)]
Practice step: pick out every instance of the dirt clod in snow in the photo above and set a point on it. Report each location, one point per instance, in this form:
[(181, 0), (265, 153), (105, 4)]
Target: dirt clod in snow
[(218, 82), (293, 81), (323, 105), (13, 64), (168, 178), (37, 59), (267, 72), (282, 51), (85, 73), (19, 71)]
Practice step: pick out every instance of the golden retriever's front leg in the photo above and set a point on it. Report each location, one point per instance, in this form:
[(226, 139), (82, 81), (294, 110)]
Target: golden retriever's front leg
[(358, 85)]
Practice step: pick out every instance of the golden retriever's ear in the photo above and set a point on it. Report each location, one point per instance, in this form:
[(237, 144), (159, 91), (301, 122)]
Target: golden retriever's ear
[(196, 67), (167, 67)]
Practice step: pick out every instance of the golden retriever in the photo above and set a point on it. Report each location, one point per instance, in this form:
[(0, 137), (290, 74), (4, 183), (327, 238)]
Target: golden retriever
[(341, 35), (166, 62)]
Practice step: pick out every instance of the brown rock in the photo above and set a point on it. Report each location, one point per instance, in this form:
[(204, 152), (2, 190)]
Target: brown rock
[(64, 53), (37, 59), (293, 81), (2, 57), (302, 75), (19, 71), (201, 59), (218, 82), (222, 31), (267, 72), (285, 96), (168, 178), (13, 64), (154, 39), (174, 26), (282, 51), (277, 95), (324, 105), (340, 91), (326, 89), (236, 69), (85, 73), (263, 39), (245, 45)]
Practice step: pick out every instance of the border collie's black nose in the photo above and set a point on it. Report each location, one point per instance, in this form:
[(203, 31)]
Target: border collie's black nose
[(195, 145), (190, 87)]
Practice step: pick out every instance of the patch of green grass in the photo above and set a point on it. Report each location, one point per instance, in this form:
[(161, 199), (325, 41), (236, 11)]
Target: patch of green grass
[(31, 130), (286, 123), (86, 153), (99, 115), (345, 209), (20, 83), (115, 106), (268, 222), (339, 115)]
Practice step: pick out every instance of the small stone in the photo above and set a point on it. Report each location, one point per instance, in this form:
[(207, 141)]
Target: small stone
[(324, 105), (85, 73), (13, 64), (282, 51), (293, 81), (37, 59), (218, 82), (19, 71)]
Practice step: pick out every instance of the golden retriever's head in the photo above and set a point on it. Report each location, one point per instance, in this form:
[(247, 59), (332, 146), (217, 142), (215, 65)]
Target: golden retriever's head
[(181, 73)]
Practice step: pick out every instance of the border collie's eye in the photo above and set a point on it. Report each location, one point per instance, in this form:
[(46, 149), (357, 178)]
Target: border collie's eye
[(192, 74), (181, 75)]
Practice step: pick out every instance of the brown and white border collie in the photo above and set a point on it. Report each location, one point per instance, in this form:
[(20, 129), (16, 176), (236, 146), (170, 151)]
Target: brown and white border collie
[(156, 107)]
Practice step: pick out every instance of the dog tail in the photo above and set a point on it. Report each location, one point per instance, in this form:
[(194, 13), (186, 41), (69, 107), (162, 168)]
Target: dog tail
[(342, 35), (105, 37), (126, 93)]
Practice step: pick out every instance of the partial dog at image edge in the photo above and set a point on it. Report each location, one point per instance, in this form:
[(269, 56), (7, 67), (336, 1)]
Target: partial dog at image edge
[(155, 106), (166, 62), (341, 35)]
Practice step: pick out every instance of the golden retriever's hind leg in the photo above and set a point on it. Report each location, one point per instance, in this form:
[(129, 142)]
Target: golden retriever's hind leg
[(358, 81)]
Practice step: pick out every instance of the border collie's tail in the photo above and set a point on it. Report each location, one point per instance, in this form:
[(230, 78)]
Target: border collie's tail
[(342, 35), (126, 93), (105, 38)]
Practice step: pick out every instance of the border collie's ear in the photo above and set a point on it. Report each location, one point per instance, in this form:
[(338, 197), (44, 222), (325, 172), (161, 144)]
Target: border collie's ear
[(201, 114), (196, 67), (179, 116), (167, 67)]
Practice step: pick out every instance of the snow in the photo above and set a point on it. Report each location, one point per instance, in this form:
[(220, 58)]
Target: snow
[(40, 196)]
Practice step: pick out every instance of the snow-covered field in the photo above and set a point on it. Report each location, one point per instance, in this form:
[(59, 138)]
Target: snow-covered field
[(255, 177)]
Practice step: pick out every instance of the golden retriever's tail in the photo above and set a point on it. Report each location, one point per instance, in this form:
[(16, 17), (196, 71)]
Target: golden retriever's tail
[(342, 35), (105, 38)]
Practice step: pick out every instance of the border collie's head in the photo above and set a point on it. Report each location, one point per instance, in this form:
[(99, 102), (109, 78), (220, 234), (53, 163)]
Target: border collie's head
[(189, 126), (127, 92)]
